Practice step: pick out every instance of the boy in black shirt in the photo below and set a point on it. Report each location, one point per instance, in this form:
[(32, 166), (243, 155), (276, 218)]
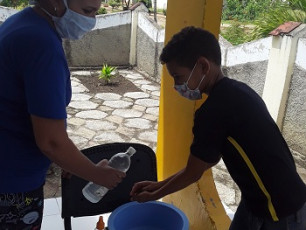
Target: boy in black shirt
[(233, 123)]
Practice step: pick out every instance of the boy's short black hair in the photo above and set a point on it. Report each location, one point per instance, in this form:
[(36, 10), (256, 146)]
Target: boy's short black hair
[(189, 44)]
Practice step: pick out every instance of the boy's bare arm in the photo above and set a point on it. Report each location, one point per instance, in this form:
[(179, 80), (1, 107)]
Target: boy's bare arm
[(145, 191)]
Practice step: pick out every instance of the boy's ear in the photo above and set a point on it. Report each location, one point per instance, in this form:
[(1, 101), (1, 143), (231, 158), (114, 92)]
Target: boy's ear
[(205, 63)]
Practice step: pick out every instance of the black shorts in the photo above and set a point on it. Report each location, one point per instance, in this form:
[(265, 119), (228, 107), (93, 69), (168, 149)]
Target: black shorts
[(21, 211)]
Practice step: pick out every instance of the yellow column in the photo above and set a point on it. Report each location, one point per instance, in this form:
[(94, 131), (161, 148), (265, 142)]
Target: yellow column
[(200, 201)]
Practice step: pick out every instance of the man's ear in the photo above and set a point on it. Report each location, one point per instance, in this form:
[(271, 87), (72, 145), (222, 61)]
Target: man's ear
[(59, 7), (205, 63)]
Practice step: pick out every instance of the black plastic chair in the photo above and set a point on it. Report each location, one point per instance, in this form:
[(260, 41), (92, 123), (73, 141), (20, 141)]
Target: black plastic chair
[(143, 167)]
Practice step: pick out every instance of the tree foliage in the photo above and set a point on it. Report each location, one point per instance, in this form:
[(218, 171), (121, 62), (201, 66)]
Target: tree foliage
[(246, 10), (14, 3), (291, 10)]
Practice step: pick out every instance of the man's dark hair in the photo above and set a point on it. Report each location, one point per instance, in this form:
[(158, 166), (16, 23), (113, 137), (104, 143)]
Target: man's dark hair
[(189, 44)]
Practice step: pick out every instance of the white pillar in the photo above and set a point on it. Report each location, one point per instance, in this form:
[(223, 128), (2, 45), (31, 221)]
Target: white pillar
[(279, 73), (134, 26)]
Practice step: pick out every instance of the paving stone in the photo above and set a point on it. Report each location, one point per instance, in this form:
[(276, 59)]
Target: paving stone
[(75, 83), (108, 96), (69, 130), (129, 132), (80, 97), (91, 114), (128, 99), (233, 208), (147, 102), (81, 73), (138, 123), (138, 85), (95, 72), (226, 194), (74, 79), (118, 104), (127, 113), (75, 121), (98, 101), (136, 95), (134, 76), (150, 136), (106, 137), (154, 111), (125, 71), (78, 141), (100, 125), (150, 117), (154, 97), (134, 140), (84, 132), (79, 89), (156, 93), (139, 108), (71, 111), (115, 119), (83, 105), (221, 165), (105, 108), (150, 87), (142, 82)]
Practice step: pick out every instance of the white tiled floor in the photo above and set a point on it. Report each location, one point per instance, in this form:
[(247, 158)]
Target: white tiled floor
[(52, 219)]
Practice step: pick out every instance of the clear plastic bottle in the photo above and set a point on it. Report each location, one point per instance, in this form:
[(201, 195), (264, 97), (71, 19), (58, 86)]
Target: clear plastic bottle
[(120, 161)]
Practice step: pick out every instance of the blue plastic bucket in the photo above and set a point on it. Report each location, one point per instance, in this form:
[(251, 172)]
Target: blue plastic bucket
[(151, 215)]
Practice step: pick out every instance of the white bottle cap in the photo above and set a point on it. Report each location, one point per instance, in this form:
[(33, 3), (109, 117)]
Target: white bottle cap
[(131, 151)]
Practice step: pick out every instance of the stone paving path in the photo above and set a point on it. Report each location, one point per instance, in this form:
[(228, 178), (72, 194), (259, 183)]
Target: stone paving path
[(100, 118), (108, 117)]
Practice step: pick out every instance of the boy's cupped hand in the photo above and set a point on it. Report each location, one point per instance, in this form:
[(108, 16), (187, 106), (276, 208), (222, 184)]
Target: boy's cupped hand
[(145, 191)]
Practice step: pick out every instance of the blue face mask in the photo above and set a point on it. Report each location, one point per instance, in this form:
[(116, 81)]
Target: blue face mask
[(185, 91), (72, 25)]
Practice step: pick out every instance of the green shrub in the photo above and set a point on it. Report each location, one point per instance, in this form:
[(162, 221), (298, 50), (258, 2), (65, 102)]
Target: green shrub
[(246, 10), (107, 73), (292, 10), (148, 3), (102, 10), (15, 3), (114, 3), (236, 34)]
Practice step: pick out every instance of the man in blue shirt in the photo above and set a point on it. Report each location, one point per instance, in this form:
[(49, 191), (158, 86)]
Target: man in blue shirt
[(34, 92)]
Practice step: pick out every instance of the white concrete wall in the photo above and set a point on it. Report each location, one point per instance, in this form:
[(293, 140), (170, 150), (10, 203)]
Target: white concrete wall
[(5, 12), (113, 20), (150, 40), (150, 28), (108, 42), (246, 53), (300, 60)]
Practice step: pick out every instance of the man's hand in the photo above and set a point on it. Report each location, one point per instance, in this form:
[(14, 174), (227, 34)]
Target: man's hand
[(52, 139), (108, 176)]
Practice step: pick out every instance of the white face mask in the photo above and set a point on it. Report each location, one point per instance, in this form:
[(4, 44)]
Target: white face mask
[(185, 91), (72, 25)]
